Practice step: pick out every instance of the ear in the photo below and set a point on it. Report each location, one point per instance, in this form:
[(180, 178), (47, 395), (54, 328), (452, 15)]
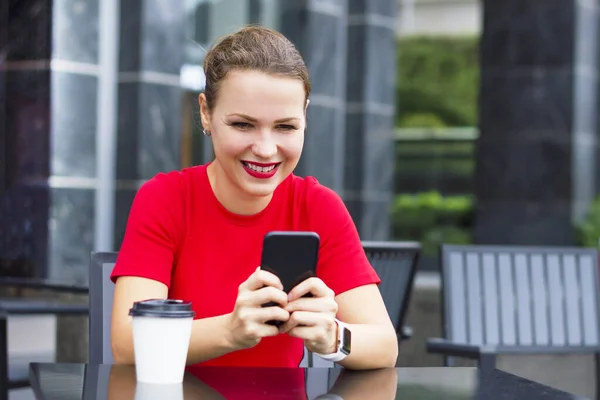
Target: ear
[(306, 106), (204, 112)]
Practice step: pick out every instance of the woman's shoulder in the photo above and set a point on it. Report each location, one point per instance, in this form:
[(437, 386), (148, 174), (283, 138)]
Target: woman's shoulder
[(174, 183), (316, 198), (310, 186)]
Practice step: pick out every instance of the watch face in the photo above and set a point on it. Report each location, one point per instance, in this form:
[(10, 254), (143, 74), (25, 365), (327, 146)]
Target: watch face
[(346, 341)]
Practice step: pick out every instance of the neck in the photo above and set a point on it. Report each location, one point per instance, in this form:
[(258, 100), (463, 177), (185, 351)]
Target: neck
[(233, 198)]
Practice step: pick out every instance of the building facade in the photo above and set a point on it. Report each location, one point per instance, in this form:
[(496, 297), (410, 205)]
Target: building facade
[(96, 97)]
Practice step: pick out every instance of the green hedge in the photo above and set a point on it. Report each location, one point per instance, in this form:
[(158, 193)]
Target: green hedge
[(588, 230), (437, 86), (437, 81), (432, 219)]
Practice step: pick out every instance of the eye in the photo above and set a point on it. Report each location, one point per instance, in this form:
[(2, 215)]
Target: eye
[(286, 127), (241, 125)]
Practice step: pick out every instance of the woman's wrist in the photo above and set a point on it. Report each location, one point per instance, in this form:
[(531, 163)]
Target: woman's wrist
[(210, 339), (334, 343), (227, 334)]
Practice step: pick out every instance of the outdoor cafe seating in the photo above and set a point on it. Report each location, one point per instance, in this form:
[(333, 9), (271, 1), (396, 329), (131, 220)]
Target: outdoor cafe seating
[(495, 300)]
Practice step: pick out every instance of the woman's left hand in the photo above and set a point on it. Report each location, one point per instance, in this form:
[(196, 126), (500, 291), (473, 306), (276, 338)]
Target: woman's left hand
[(312, 318)]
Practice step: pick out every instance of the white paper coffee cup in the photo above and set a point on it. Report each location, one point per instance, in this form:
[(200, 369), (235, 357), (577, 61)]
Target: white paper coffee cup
[(158, 391), (161, 338)]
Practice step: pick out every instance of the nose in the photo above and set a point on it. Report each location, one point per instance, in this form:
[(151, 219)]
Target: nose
[(264, 146)]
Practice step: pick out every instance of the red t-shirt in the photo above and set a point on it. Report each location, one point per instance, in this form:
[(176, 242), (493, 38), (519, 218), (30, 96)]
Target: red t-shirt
[(179, 234)]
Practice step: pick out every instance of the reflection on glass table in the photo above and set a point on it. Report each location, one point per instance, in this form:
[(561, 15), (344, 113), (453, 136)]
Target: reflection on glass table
[(85, 381)]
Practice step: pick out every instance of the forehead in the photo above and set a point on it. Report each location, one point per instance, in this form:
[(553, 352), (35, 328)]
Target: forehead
[(260, 95)]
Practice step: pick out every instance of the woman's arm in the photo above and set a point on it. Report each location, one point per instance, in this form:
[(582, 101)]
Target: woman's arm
[(346, 270), (374, 342), (209, 339), (373, 339)]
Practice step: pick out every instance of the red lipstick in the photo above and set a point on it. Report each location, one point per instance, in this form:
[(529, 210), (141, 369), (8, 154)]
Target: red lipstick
[(260, 170)]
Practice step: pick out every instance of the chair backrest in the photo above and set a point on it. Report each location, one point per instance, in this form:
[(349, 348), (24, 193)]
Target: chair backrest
[(396, 264), (520, 296), (101, 300), (57, 381)]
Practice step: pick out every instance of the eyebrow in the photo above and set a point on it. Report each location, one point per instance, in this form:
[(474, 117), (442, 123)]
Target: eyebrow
[(249, 118)]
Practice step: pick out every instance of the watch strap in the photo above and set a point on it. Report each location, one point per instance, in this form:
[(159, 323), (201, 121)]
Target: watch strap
[(338, 355), (329, 396)]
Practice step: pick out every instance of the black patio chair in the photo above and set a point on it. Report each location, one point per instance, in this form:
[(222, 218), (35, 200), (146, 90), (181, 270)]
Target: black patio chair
[(518, 300)]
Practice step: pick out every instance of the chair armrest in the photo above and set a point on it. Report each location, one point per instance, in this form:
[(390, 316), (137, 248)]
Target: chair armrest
[(448, 348), (405, 333), (43, 284), (22, 306)]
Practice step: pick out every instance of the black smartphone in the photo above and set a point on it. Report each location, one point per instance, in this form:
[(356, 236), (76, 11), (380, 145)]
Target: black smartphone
[(290, 255)]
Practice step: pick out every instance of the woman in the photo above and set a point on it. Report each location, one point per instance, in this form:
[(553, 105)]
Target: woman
[(197, 234)]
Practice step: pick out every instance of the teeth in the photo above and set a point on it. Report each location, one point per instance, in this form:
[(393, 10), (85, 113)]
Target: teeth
[(260, 169)]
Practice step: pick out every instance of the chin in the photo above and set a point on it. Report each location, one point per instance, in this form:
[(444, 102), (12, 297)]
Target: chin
[(259, 190)]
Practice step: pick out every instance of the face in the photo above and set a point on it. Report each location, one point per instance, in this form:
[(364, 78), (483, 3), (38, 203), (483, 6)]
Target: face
[(257, 129)]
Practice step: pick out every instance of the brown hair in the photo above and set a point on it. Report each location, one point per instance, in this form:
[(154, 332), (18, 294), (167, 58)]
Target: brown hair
[(252, 48)]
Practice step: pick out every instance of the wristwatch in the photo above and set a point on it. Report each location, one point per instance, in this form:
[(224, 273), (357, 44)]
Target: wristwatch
[(343, 345)]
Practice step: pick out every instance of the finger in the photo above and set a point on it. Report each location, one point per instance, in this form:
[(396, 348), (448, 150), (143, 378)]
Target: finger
[(311, 285), (316, 338), (265, 295), (287, 326), (315, 328), (268, 330), (259, 279), (272, 314), (301, 318), (260, 330), (313, 304), (303, 332)]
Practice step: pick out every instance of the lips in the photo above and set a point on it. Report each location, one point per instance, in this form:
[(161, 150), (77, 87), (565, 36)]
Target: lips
[(260, 170)]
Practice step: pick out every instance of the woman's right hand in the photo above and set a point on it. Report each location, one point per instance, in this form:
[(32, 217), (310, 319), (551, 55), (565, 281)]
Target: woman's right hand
[(247, 322)]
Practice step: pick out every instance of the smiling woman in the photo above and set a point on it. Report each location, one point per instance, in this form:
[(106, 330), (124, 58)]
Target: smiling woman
[(197, 234), (257, 129)]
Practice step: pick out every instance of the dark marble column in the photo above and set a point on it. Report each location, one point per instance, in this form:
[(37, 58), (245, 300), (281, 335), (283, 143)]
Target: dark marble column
[(152, 43), (47, 125), (536, 157), (24, 201), (74, 83), (369, 159), (46, 208), (25, 45), (319, 31)]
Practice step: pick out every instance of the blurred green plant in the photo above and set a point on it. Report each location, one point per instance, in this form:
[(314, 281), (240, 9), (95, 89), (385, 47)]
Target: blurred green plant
[(432, 219), (437, 87), (439, 76), (422, 120), (588, 229)]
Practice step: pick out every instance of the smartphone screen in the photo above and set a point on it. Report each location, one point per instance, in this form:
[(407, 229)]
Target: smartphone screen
[(292, 256)]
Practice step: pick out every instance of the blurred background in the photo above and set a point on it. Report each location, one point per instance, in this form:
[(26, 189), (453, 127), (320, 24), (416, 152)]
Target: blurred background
[(438, 121)]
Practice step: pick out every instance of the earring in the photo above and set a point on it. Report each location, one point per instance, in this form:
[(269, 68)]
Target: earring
[(206, 133)]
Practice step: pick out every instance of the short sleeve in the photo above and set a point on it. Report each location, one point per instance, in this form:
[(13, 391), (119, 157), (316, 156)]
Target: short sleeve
[(343, 264), (154, 229)]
